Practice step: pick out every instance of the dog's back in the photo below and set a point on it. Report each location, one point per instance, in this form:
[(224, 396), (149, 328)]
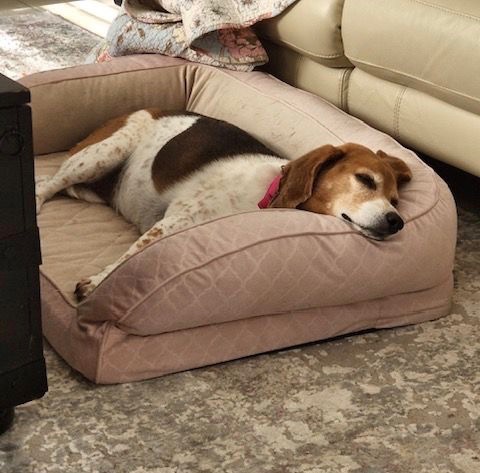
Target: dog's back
[(189, 157)]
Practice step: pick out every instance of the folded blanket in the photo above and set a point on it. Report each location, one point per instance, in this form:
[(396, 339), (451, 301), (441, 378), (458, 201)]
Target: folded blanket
[(213, 32)]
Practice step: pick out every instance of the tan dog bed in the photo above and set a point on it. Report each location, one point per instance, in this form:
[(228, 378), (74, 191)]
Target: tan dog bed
[(238, 285)]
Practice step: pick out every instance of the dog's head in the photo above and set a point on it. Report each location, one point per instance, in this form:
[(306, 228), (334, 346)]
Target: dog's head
[(350, 182)]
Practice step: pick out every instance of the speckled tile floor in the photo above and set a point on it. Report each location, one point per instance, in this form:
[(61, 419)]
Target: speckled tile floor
[(402, 400)]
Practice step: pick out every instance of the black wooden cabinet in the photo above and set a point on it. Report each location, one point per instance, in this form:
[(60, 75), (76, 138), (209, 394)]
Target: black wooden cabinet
[(22, 366)]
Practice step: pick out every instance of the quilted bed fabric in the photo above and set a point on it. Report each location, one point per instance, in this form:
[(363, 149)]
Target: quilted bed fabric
[(241, 284)]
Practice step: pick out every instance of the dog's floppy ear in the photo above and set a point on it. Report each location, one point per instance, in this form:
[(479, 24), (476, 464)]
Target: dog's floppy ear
[(298, 176), (400, 169)]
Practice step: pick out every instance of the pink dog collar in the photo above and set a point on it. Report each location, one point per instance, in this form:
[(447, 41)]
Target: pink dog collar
[(272, 191)]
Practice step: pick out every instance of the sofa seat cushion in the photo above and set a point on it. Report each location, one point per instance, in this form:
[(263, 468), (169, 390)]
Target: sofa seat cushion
[(430, 46), (311, 28), (263, 279)]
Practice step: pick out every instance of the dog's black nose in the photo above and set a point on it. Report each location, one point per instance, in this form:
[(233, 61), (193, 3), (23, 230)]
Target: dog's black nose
[(395, 222)]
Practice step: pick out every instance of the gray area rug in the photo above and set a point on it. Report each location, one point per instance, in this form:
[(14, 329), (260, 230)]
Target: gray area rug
[(405, 400), (35, 40)]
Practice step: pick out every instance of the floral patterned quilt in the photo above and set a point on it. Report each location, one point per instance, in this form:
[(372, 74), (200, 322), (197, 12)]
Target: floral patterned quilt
[(214, 32)]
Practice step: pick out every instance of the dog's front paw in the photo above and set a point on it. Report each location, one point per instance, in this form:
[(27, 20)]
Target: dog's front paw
[(87, 285), (84, 288)]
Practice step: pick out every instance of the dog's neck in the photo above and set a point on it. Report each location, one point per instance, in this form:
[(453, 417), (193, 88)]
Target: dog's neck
[(271, 193)]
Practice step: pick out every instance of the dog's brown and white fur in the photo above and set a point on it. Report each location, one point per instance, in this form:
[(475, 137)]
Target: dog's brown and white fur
[(168, 171)]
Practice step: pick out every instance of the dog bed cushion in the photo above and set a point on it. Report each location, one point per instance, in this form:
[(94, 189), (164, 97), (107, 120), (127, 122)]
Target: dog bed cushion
[(241, 284)]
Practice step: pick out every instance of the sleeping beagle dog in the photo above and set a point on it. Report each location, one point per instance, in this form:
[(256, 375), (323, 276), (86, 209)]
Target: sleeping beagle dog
[(167, 171)]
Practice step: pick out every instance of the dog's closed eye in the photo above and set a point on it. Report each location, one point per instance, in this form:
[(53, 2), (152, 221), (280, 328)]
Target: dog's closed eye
[(366, 180)]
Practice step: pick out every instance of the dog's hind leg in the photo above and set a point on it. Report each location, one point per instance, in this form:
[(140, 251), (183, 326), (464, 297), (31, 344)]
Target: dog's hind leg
[(99, 154)]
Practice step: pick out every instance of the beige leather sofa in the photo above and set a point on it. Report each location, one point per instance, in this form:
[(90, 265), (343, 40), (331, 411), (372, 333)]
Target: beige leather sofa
[(408, 67)]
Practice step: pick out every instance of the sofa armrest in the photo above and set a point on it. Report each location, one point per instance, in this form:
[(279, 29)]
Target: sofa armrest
[(67, 104)]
